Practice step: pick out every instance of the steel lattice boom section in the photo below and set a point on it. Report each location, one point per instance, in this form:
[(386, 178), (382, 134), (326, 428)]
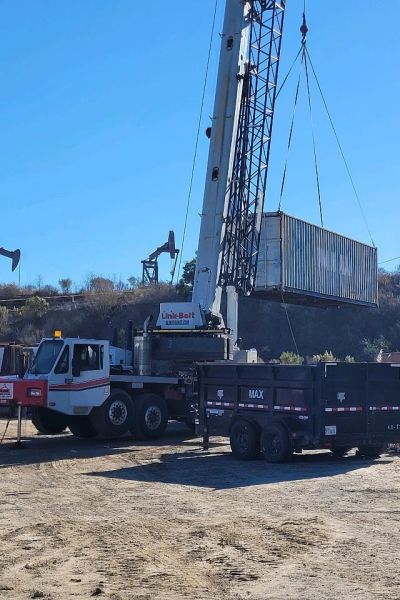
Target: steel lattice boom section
[(252, 149)]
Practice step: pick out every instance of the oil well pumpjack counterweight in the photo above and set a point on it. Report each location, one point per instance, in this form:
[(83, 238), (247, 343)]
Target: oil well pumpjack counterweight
[(15, 256)]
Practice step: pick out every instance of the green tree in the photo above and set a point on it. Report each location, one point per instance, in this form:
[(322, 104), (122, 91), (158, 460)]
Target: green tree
[(188, 272), (96, 283), (134, 282), (372, 348), (65, 285)]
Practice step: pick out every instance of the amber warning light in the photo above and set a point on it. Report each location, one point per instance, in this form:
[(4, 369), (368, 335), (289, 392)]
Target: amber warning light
[(57, 333)]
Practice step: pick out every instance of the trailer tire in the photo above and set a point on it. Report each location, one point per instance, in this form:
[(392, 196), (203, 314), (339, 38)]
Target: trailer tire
[(372, 451), (47, 421), (81, 427), (244, 440), (151, 417), (114, 417), (275, 444)]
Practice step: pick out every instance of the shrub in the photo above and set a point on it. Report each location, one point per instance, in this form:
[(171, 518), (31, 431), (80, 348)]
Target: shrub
[(35, 307), (327, 356), (4, 321), (9, 290), (291, 358)]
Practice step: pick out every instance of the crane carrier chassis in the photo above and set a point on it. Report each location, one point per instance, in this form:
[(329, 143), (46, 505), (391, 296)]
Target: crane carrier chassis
[(275, 410)]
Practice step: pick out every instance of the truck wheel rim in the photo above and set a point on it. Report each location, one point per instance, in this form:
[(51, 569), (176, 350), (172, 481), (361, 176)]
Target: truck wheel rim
[(273, 445), (153, 417), (118, 412), (243, 440)]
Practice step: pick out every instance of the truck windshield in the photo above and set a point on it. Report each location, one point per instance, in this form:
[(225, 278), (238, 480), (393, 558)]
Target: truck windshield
[(46, 357)]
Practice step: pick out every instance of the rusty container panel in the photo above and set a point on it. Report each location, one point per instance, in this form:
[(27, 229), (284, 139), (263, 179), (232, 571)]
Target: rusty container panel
[(307, 264)]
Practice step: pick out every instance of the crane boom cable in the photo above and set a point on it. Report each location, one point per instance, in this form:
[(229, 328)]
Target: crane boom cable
[(289, 141), (288, 74), (389, 260), (340, 148), (289, 323), (178, 270), (313, 138)]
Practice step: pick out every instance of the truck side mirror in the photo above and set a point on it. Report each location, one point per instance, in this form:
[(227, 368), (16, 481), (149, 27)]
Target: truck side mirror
[(76, 367)]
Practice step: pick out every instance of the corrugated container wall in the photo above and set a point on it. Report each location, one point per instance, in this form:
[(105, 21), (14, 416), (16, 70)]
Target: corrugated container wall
[(310, 265)]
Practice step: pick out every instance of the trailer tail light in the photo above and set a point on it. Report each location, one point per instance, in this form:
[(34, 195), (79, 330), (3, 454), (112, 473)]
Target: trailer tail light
[(34, 392)]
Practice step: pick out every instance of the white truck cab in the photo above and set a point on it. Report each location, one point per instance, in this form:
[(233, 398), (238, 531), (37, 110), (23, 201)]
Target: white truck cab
[(77, 371), (92, 390)]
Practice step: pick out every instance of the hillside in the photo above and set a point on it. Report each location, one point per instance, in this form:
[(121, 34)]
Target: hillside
[(358, 332)]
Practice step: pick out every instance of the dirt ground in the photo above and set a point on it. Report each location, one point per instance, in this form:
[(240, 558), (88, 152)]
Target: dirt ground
[(121, 520)]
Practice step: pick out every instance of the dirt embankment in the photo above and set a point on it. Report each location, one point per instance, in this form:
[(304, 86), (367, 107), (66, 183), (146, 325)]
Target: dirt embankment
[(166, 521)]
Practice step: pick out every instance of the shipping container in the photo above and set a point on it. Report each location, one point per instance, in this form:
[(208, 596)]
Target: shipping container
[(276, 410), (303, 263)]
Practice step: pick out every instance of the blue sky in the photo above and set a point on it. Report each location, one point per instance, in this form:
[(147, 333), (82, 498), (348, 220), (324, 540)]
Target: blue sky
[(98, 113)]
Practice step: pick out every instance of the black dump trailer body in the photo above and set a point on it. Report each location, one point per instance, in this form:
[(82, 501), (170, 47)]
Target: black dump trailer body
[(280, 409)]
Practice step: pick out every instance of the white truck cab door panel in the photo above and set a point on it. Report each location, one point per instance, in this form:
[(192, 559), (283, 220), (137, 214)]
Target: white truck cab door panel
[(90, 384), (53, 361)]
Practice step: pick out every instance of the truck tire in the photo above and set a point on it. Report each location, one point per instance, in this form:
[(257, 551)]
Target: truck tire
[(151, 417), (82, 427), (244, 440), (275, 444), (372, 451), (114, 418), (48, 422)]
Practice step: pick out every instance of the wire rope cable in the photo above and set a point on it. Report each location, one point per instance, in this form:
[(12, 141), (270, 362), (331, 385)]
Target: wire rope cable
[(196, 147), (383, 262), (313, 140), (289, 142), (289, 323), (288, 74), (340, 148)]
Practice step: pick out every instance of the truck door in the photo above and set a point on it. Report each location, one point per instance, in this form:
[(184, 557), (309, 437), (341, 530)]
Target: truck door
[(90, 376), (59, 377)]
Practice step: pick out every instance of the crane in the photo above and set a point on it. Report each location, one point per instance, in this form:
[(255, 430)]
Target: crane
[(150, 264), (238, 160)]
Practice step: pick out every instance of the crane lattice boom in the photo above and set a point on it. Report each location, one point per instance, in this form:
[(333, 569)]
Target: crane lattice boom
[(252, 147)]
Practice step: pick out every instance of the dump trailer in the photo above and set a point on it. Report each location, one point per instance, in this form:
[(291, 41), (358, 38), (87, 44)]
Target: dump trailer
[(275, 410)]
